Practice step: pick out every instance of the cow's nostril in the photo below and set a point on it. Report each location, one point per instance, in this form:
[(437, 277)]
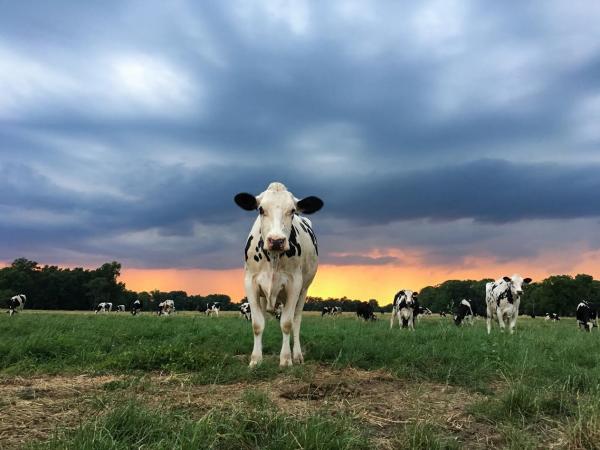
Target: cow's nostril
[(277, 244)]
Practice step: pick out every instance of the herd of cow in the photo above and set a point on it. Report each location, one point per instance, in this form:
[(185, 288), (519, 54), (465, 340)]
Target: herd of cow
[(281, 254)]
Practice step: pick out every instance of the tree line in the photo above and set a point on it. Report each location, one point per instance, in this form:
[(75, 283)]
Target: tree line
[(53, 287)]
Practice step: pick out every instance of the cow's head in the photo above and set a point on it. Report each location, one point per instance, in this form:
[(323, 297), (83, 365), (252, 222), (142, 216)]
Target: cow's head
[(276, 207), (516, 284)]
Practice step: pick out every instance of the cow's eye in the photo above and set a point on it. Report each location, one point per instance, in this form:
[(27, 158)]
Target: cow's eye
[(261, 211), (292, 212)]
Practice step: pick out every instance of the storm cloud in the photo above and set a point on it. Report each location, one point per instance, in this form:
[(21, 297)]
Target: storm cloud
[(445, 127)]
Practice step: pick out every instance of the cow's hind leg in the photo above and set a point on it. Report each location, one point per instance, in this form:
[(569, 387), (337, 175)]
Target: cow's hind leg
[(297, 351)]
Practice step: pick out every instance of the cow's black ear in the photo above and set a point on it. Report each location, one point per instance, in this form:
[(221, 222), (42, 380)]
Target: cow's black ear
[(309, 205), (527, 280), (246, 201), (507, 279)]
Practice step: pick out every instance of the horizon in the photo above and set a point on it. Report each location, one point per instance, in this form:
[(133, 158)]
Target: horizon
[(446, 139)]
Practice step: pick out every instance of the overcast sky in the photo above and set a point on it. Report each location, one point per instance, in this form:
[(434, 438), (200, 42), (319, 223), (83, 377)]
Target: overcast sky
[(452, 129)]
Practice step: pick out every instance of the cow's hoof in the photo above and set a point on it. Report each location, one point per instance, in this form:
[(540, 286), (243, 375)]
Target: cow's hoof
[(298, 358), (285, 361), (255, 361)]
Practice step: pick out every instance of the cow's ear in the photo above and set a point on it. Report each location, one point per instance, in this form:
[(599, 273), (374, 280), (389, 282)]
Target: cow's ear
[(527, 280), (507, 279), (309, 205), (246, 201)]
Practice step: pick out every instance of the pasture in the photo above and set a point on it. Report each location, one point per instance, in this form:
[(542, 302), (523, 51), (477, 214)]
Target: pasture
[(85, 381)]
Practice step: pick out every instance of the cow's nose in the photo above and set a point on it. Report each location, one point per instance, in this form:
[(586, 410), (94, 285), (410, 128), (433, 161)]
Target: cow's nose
[(276, 244)]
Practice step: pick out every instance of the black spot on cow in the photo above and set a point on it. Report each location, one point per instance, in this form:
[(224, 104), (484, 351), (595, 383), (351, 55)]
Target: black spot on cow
[(306, 227), (261, 248), (256, 258), (294, 245), (248, 243)]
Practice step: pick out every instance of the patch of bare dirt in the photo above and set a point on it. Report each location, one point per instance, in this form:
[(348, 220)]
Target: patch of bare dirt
[(32, 408)]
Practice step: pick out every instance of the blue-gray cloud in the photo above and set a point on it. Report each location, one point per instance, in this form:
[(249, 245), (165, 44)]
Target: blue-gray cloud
[(127, 127)]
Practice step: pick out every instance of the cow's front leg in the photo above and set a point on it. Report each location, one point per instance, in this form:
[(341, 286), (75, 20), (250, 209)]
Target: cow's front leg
[(513, 322), (287, 322), (258, 321), (500, 316), (392, 319), (488, 320), (297, 352)]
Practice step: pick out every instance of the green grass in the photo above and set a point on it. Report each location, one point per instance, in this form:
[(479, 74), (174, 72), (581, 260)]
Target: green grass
[(545, 377)]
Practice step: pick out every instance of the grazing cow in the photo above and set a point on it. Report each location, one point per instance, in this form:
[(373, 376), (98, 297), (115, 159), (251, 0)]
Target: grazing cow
[(166, 308), (442, 313), (120, 308), (503, 297), (586, 315), (552, 316), (16, 304), (245, 311), (104, 307), (213, 308), (281, 256), (464, 312), (365, 311), (331, 311), (136, 307), (406, 308)]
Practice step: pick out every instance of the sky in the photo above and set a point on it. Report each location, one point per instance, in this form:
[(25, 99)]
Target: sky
[(448, 139)]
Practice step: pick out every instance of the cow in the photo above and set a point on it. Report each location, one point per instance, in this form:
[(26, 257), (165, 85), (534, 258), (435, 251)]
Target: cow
[(16, 304), (503, 297), (331, 311), (532, 315), (552, 316), (166, 308), (136, 307), (245, 311), (104, 307), (365, 311), (213, 308), (406, 308), (464, 312), (586, 314), (442, 313), (120, 308), (281, 259)]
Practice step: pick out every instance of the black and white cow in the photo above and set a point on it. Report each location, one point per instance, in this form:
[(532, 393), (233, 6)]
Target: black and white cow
[(281, 257), (331, 311), (503, 298), (464, 312), (16, 304), (552, 316), (104, 307), (245, 311), (406, 309), (586, 314), (136, 307), (442, 313), (120, 308), (213, 309), (166, 308), (365, 311)]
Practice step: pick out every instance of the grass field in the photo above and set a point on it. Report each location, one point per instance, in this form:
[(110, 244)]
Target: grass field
[(86, 381)]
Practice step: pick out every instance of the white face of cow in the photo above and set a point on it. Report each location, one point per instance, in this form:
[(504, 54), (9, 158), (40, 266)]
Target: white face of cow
[(517, 283), (276, 207)]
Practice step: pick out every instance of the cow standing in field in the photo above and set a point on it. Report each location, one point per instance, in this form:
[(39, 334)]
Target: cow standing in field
[(213, 309), (281, 256), (552, 316), (586, 314), (104, 307), (120, 308), (503, 298), (245, 311), (331, 311), (136, 307), (16, 304), (406, 309), (464, 312), (166, 308), (365, 311)]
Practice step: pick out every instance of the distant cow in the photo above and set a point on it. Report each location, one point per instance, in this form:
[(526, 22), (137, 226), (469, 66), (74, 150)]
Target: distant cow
[(464, 312), (136, 307), (245, 311), (532, 315), (16, 304), (166, 308), (281, 256), (442, 313), (120, 308), (552, 316), (213, 308), (331, 311), (365, 311), (503, 298), (586, 315), (104, 307), (406, 308)]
